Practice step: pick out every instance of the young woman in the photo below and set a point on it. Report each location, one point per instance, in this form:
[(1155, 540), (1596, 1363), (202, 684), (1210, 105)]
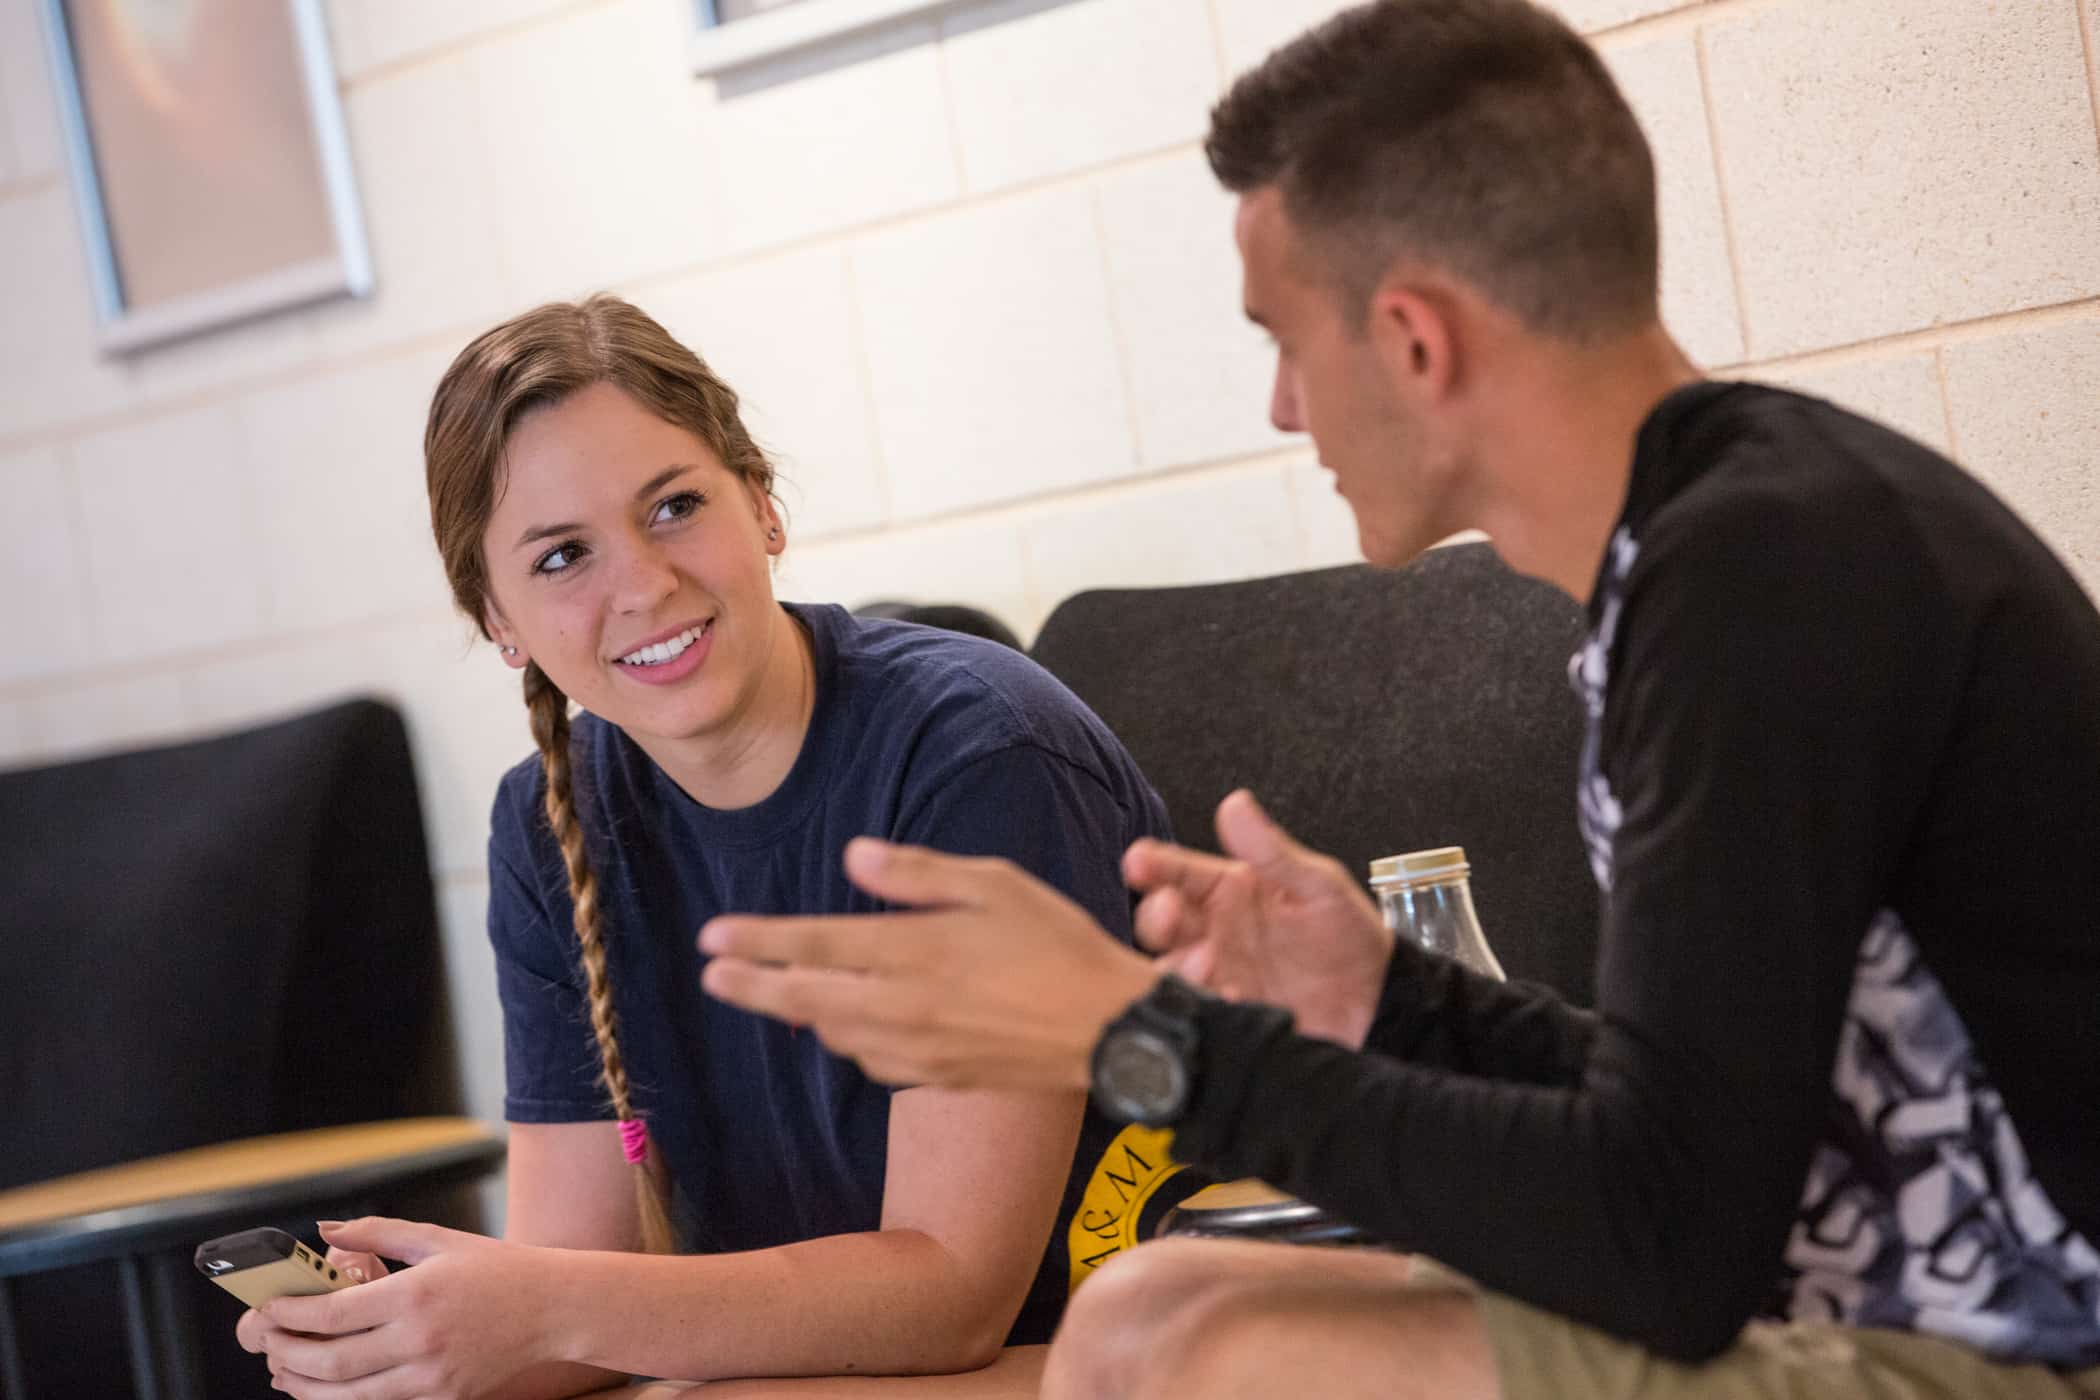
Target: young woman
[(610, 525)]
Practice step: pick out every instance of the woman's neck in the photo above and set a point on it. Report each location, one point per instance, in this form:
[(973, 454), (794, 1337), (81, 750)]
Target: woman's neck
[(748, 760)]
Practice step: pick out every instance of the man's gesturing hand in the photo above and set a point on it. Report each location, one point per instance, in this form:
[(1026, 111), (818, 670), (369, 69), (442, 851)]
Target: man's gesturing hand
[(990, 979), (1276, 923)]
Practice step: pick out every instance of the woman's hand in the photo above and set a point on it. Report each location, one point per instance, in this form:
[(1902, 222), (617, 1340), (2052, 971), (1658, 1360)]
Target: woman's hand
[(357, 1265), (470, 1314), (1275, 923)]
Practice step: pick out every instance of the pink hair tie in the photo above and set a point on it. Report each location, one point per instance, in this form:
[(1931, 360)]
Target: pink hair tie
[(634, 1139)]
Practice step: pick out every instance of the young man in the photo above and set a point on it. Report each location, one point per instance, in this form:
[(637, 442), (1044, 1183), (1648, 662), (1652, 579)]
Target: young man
[(1831, 1129)]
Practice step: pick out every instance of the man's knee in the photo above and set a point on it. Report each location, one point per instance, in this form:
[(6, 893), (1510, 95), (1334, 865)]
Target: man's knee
[(1365, 1338), (1114, 1321), (1141, 1288), (1136, 1294)]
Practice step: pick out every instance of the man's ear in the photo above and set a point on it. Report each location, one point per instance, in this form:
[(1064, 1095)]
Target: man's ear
[(505, 637), (1413, 326)]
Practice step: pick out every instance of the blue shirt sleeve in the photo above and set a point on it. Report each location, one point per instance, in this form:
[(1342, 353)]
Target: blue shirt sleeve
[(1047, 814), (550, 1057)]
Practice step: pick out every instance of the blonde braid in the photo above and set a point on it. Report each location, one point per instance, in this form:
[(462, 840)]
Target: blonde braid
[(549, 709)]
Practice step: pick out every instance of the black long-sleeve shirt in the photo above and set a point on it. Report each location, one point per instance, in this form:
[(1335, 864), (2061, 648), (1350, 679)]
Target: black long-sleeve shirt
[(1842, 795)]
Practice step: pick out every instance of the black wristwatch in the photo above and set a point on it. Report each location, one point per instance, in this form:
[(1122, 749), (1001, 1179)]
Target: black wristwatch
[(1145, 1062)]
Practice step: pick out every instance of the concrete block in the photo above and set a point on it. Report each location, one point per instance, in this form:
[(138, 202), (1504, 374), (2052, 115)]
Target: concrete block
[(834, 137), (28, 103), (424, 173), (266, 347), (1249, 30), (597, 165), (1042, 87), (51, 369), (175, 559), (341, 508), (47, 626), (470, 981), (1660, 79), (1325, 523), (1589, 16), (1897, 164), (782, 332), (1204, 528), (290, 674), (2027, 420), (1902, 392), (465, 714), (994, 367), (466, 727), (477, 1016), (369, 34), (104, 716), (1200, 373), (976, 561)]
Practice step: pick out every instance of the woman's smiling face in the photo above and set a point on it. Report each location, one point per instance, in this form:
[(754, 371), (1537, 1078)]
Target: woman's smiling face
[(633, 567)]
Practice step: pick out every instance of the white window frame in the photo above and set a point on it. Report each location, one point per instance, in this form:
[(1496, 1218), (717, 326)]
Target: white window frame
[(721, 48)]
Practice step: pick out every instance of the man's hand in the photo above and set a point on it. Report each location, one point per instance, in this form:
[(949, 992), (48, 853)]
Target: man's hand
[(1277, 923), (990, 979)]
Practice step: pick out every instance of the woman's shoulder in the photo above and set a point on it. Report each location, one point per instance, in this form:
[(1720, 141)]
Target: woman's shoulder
[(517, 820), (926, 670), (975, 695)]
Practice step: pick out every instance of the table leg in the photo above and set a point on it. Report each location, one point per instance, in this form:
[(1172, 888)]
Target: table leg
[(168, 1275), (14, 1385), (145, 1385)]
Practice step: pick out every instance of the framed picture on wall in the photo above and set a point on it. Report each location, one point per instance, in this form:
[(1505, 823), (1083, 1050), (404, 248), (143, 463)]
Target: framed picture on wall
[(735, 33), (209, 160)]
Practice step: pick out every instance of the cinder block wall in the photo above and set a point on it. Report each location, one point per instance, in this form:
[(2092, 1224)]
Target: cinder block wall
[(981, 298)]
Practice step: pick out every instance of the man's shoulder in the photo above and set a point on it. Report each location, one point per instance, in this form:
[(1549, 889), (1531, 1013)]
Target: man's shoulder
[(1782, 458), (1805, 493)]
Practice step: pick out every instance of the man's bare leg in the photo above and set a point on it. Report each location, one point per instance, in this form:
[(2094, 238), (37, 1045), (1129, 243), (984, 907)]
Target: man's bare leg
[(1224, 1319)]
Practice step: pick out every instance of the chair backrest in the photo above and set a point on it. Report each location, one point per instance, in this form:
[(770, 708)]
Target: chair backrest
[(1373, 712), (185, 928), (209, 941)]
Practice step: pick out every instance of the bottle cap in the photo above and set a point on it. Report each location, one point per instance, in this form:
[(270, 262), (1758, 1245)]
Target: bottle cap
[(1431, 867)]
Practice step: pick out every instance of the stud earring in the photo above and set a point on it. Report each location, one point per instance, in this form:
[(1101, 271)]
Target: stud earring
[(510, 651), (774, 533)]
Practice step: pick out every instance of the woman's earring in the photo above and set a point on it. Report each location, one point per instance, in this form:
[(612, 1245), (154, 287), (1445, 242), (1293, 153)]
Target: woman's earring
[(774, 533), (510, 651)]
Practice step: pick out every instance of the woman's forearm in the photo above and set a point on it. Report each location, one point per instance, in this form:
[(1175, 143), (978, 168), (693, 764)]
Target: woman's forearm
[(890, 1302), (557, 1380)]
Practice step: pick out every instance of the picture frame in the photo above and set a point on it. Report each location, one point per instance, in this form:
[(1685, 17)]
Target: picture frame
[(737, 33), (210, 162)]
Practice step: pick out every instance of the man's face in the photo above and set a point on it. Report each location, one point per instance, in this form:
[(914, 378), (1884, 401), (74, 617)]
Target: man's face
[(1345, 384)]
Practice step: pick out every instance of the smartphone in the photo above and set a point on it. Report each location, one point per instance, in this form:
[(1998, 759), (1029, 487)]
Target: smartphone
[(256, 1266)]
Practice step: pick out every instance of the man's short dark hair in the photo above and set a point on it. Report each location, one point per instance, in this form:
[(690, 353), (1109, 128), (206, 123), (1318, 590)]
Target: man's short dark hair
[(1481, 135)]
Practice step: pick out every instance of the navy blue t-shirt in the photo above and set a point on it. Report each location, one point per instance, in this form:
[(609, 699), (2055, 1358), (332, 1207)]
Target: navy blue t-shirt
[(918, 736)]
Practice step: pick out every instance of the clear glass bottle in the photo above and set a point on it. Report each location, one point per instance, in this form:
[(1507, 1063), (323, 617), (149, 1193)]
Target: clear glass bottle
[(1425, 898)]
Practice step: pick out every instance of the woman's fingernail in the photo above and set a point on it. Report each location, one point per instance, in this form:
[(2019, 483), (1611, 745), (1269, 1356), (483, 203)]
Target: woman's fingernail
[(356, 1273), (329, 1224)]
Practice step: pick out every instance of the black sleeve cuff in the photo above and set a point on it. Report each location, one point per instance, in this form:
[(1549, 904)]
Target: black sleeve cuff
[(1233, 1039)]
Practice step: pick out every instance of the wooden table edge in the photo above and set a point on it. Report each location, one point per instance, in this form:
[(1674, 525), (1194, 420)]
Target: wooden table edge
[(44, 1242)]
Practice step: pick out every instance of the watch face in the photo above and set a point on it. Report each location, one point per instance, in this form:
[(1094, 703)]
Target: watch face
[(1142, 1076)]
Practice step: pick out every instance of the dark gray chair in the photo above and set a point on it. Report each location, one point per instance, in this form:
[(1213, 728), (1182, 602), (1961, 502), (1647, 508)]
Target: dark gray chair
[(1373, 712), (210, 941)]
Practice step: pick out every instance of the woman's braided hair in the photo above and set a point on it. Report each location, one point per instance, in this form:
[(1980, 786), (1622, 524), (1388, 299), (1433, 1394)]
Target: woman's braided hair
[(531, 362)]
